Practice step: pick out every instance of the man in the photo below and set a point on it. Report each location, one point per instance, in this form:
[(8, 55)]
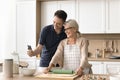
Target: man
[(49, 39)]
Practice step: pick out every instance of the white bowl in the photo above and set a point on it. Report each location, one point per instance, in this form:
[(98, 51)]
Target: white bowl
[(115, 77), (28, 71)]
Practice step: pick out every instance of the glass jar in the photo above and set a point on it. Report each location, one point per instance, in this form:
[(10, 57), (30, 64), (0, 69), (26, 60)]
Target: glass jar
[(8, 68), (15, 62), (97, 53)]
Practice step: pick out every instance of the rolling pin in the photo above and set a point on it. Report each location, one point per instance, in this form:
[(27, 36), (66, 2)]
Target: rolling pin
[(61, 71)]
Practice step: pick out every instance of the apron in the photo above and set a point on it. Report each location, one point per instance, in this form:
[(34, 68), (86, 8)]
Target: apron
[(72, 58)]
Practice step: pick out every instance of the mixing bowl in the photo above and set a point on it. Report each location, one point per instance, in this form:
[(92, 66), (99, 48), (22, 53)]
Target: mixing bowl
[(28, 71)]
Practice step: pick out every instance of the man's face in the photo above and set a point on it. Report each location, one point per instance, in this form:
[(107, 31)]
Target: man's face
[(58, 23)]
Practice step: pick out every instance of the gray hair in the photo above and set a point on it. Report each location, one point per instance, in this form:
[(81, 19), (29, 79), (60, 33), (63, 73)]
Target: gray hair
[(73, 23)]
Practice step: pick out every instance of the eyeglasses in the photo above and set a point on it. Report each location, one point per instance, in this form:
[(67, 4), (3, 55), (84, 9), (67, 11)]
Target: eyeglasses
[(68, 28)]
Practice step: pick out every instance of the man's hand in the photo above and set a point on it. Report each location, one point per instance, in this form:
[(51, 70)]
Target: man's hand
[(30, 53)]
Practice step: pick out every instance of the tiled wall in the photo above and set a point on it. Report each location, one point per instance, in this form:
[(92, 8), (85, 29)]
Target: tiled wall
[(98, 41), (99, 44)]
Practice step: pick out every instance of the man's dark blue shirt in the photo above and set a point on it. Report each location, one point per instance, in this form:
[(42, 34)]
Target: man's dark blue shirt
[(50, 40)]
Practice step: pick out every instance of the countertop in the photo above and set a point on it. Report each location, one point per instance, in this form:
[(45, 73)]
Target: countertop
[(94, 59), (104, 59), (21, 77)]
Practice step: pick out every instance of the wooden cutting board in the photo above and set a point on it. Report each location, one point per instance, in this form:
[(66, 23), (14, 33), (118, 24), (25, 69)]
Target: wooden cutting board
[(57, 76)]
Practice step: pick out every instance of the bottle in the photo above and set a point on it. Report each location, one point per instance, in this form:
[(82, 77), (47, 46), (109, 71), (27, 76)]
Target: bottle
[(97, 53), (103, 55), (15, 62)]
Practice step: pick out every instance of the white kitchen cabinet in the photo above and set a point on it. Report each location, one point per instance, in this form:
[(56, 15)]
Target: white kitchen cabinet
[(111, 65), (69, 6), (91, 16), (99, 16), (100, 67), (48, 9), (97, 67), (47, 12), (26, 26), (113, 16)]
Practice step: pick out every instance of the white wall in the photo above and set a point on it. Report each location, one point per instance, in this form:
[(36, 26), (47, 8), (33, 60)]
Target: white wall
[(7, 28)]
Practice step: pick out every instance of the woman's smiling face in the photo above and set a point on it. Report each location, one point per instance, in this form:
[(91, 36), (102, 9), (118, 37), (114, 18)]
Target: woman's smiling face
[(69, 30)]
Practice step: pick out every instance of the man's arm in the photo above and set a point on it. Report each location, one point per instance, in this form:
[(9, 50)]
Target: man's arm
[(36, 51)]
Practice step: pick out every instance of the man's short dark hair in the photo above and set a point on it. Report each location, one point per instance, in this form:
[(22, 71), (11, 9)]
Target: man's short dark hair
[(61, 14)]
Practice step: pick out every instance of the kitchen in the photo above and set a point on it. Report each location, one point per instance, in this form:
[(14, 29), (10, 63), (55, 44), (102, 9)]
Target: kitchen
[(31, 14)]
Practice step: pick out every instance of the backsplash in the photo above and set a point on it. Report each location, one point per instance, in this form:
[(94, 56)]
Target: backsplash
[(107, 44)]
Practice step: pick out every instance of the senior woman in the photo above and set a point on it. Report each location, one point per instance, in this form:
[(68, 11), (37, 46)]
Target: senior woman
[(72, 52)]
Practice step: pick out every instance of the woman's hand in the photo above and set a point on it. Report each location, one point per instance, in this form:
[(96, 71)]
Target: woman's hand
[(30, 53), (79, 71), (46, 70)]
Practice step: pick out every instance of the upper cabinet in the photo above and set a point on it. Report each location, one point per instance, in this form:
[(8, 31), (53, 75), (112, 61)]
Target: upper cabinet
[(99, 16), (48, 9), (91, 16), (113, 16), (69, 7), (47, 12)]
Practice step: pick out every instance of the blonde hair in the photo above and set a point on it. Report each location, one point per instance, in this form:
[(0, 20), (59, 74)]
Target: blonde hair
[(73, 23)]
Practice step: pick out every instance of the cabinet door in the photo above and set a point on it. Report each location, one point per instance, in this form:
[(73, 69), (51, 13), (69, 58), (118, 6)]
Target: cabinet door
[(113, 66), (68, 7), (47, 12), (113, 12), (26, 26), (97, 67), (91, 16), (48, 9)]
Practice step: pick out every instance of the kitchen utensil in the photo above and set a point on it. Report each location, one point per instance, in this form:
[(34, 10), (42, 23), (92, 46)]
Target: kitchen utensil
[(115, 46), (61, 71)]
